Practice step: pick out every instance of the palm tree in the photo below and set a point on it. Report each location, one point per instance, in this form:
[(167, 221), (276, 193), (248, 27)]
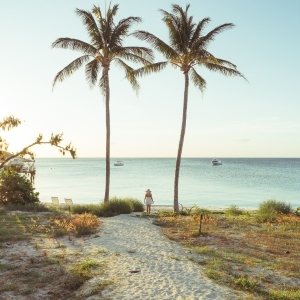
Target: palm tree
[(105, 46), (186, 50)]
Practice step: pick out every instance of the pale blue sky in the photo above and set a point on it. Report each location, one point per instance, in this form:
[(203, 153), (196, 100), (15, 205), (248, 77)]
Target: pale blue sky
[(233, 118)]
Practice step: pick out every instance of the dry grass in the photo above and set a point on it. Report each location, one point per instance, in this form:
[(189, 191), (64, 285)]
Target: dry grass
[(238, 251), (43, 257)]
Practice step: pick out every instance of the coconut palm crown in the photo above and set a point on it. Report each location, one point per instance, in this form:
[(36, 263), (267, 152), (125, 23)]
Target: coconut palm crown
[(186, 50), (105, 46)]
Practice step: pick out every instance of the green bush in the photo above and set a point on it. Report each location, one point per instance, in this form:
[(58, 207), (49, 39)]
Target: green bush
[(278, 206), (16, 189), (94, 209), (114, 207), (269, 209), (138, 206), (233, 210)]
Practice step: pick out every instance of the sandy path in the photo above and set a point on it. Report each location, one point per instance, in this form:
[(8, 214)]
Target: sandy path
[(163, 270)]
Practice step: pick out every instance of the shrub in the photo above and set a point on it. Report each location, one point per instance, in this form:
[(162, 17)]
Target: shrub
[(94, 209), (233, 210), (16, 189), (266, 216), (278, 206), (79, 224), (116, 206), (138, 206), (269, 210)]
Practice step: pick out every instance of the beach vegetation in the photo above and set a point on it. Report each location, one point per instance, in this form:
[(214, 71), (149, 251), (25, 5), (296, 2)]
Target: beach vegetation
[(269, 210), (278, 206), (81, 272), (234, 210), (186, 49), (55, 141), (78, 224), (242, 252), (29, 207), (284, 293), (114, 207), (40, 261), (104, 48), (16, 189), (137, 205)]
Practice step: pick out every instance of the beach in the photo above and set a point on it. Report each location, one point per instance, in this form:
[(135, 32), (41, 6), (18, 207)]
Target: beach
[(138, 262), (149, 266)]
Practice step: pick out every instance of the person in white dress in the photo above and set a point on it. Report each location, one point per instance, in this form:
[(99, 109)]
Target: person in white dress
[(148, 200)]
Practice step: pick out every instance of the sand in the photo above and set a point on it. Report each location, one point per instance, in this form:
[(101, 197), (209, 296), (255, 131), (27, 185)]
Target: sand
[(147, 265)]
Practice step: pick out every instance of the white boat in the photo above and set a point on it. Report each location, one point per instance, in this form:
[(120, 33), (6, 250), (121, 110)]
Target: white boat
[(216, 162), (119, 163)]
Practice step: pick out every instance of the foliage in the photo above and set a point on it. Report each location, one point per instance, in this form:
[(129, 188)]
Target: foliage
[(55, 140), (245, 282), (81, 272), (138, 206), (278, 206), (116, 207), (269, 210), (79, 224), (112, 208), (94, 209), (16, 189), (234, 210), (284, 294)]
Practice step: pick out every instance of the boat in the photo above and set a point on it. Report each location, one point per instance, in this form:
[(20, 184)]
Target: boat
[(119, 163), (216, 162)]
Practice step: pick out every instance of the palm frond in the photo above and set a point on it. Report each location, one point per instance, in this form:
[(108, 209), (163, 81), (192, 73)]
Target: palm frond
[(91, 26), (151, 68), (70, 69), (211, 35), (198, 81), (91, 72), (157, 43), (135, 54), (97, 12), (129, 74), (198, 31), (74, 44), (108, 24), (223, 70), (121, 30)]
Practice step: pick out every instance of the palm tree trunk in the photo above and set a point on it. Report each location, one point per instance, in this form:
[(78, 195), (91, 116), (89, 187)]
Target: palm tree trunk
[(183, 126), (107, 177)]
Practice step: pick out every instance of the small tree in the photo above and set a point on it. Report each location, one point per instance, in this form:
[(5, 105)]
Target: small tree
[(55, 140), (16, 189)]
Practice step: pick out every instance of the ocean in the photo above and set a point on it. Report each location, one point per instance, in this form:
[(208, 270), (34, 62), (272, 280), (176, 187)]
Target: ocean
[(244, 182)]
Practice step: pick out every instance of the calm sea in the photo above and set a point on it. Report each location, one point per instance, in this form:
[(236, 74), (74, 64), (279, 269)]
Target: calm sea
[(244, 182)]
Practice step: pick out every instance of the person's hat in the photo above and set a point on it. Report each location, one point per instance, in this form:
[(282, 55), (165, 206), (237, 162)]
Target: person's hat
[(148, 191)]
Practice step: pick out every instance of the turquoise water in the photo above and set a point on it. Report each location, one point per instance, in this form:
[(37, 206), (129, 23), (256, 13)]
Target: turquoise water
[(241, 181)]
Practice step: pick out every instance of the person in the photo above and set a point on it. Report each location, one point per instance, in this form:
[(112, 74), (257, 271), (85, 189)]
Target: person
[(148, 200)]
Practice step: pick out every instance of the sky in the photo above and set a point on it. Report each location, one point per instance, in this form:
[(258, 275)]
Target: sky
[(233, 118)]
